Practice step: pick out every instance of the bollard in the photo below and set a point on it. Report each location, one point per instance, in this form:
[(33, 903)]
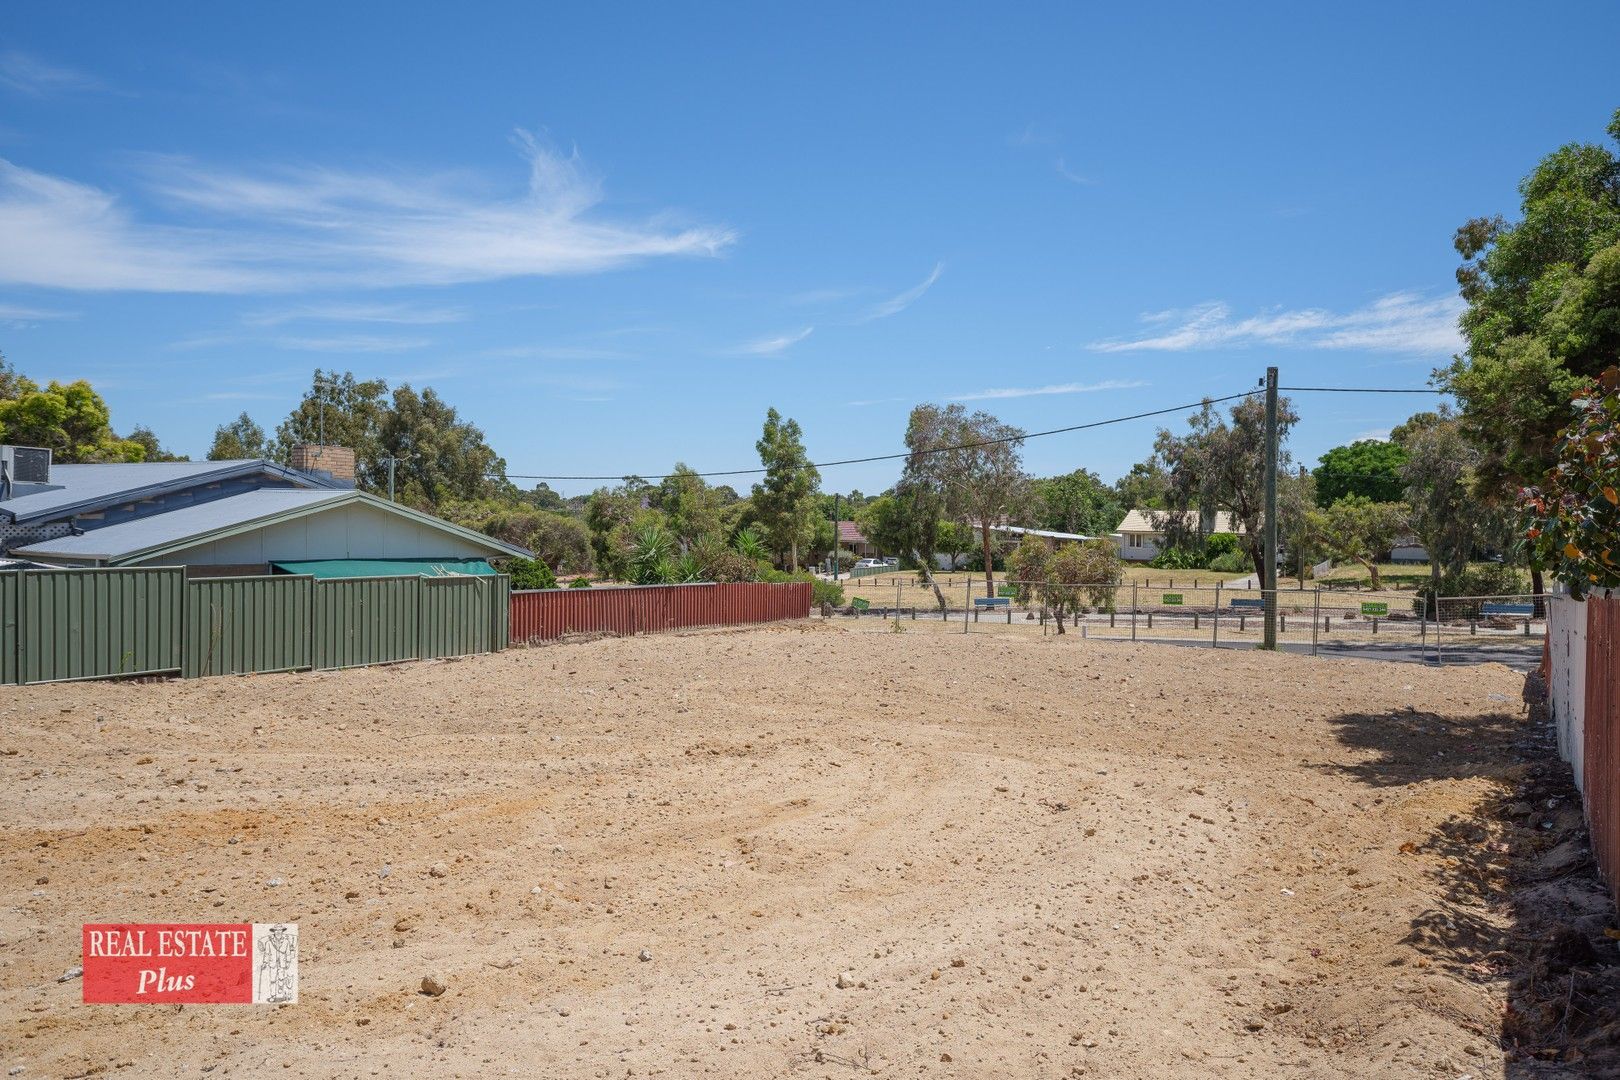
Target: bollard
[(1375, 624), (1150, 620), (1195, 620), (1327, 623), (1282, 618), (1243, 623), (1527, 628), (1110, 620), (1473, 628), (1009, 614)]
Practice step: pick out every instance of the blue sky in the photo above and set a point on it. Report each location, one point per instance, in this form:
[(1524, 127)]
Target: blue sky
[(613, 237)]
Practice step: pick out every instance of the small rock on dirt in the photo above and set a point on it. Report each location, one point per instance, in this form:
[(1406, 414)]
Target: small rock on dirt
[(433, 986)]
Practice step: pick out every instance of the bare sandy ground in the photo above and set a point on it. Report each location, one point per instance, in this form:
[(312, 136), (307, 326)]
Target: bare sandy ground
[(840, 854)]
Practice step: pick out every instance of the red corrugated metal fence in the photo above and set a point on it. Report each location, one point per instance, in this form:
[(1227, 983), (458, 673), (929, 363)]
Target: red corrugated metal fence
[(1601, 758), (644, 609)]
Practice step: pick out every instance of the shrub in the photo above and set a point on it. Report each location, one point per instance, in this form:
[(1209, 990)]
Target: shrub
[(530, 574), (1231, 562), (1490, 579), (826, 592), (1218, 544), (579, 583), (1177, 559)]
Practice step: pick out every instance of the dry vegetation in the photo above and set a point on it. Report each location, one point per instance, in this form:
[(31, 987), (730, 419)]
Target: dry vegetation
[(795, 851)]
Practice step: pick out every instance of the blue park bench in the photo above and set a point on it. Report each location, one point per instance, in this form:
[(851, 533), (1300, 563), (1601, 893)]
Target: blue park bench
[(1507, 609), (991, 601), (1244, 603)]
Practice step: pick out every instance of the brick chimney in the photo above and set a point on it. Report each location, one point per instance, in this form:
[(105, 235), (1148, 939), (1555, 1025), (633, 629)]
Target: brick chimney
[(329, 462)]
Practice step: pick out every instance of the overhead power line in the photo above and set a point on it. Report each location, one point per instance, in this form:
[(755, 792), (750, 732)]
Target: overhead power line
[(992, 442), (1361, 390), (907, 453)]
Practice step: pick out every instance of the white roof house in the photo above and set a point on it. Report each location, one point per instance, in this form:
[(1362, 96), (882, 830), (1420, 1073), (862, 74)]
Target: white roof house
[(1140, 538)]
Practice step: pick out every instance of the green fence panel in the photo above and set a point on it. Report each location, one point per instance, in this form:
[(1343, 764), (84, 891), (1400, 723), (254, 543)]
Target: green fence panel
[(360, 621), (240, 624), (9, 627), (456, 619), (91, 624), (501, 613)]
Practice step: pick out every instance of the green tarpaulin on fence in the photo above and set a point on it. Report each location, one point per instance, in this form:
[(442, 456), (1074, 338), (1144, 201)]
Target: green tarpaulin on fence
[(350, 568)]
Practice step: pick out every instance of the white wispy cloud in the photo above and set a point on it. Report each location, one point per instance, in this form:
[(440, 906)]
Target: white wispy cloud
[(355, 343), (1073, 177), (19, 315), (996, 393), (896, 304), (292, 228), (770, 346), (32, 76), (402, 314), (1403, 322)]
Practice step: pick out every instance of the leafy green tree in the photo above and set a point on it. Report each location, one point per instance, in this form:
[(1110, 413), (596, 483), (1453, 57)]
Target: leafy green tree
[(561, 542), (689, 503), (1543, 315), (975, 463), (785, 499), (1370, 468), (351, 416), (69, 419), (1221, 466), (1440, 482), (148, 441), (1066, 578), (1572, 519), (613, 516), (441, 457), (1358, 529), (530, 574), (907, 521), (1145, 487), (239, 440), (1077, 502)]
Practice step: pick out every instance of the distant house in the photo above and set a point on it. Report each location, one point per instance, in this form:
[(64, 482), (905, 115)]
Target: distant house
[(850, 539), (228, 517), (1408, 549), (1140, 539)]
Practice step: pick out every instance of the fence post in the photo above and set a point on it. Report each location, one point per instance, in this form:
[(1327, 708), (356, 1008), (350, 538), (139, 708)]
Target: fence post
[(969, 604), (896, 601), (1215, 622), (1133, 611), (1316, 614)]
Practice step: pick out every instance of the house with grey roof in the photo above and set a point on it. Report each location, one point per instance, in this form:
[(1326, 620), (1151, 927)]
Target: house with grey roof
[(227, 517)]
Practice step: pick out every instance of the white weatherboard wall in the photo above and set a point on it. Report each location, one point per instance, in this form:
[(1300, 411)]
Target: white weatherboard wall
[(354, 531), (1566, 684)]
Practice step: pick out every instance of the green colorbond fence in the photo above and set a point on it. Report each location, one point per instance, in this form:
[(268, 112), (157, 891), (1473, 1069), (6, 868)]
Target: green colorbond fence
[(243, 624), (88, 624), (91, 624)]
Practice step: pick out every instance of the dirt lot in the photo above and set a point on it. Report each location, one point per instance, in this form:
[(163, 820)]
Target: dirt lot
[(843, 854)]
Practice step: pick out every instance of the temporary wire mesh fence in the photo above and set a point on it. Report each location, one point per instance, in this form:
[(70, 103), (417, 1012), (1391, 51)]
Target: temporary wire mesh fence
[(1216, 614)]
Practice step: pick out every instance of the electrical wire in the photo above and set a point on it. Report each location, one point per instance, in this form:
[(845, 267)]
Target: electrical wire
[(908, 453), (992, 442)]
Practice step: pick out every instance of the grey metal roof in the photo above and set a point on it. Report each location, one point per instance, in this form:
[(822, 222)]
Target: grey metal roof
[(77, 489), (114, 542), (185, 526)]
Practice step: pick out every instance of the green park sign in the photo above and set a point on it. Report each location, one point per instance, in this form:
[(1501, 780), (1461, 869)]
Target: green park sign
[(860, 603), (1375, 607), (1172, 599)]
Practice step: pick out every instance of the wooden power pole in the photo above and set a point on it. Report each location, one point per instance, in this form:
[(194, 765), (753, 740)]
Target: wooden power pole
[(1269, 534)]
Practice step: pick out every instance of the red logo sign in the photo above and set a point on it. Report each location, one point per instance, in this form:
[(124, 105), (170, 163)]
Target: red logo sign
[(190, 963)]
